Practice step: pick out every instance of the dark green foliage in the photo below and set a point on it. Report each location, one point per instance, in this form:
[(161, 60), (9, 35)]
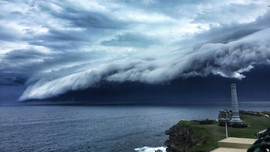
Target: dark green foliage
[(236, 125), (184, 136), (203, 122), (221, 123), (206, 122), (262, 144)]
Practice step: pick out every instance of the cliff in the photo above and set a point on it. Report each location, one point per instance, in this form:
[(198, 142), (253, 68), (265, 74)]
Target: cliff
[(186, 136)]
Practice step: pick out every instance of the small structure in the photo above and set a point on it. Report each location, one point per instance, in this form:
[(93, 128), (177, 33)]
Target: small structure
[(224, 114), (235, 112), (233, 144)]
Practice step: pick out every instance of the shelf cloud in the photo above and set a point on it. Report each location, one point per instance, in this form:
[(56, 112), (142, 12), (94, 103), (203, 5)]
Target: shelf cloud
[(53, 47)]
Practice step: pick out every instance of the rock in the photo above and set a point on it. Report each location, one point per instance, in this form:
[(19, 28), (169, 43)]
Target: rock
[(184, 136)]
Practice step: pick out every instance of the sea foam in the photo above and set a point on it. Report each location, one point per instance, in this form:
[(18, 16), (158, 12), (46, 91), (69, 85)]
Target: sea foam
[(150, 149)]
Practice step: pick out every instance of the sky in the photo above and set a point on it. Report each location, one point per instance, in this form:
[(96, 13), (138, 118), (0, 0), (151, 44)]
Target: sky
[(52, 47)]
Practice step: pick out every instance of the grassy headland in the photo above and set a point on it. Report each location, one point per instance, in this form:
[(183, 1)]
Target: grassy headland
[(188, 136)]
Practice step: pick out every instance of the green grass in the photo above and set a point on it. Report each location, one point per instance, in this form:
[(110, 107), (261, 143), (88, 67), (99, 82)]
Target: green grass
[(211, 134), (215, 133)]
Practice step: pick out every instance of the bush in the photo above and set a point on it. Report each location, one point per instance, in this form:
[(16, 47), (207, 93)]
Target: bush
[(236, 125), (262, 144), (221, 123), (206, 122), (203, 122), (185, 136)]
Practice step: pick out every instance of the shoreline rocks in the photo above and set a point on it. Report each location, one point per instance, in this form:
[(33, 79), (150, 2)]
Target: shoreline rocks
[(184, 136)]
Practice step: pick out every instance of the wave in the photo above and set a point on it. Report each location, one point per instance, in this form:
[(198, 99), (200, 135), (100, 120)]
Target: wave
[(150, 149)]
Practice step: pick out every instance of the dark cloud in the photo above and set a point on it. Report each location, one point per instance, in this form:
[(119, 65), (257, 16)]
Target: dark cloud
[(81, 18), (227, 32), (230, 32), (131, 39), (179, 91), (28, 54), (169, 8), (27, 62), (220, 15), (11, 79)]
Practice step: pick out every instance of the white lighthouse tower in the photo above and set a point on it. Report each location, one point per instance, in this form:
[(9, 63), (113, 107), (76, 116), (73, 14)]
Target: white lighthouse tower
[(235, 111)]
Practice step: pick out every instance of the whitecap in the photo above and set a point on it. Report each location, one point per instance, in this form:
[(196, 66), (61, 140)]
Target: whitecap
[(150, 149)]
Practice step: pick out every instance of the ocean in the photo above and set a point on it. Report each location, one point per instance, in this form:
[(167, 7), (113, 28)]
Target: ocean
[(115, 128)]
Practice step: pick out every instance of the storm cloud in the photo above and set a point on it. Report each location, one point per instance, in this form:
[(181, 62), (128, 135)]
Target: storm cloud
[(54, 47)]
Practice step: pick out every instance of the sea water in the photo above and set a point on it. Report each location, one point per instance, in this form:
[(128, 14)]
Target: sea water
[(98, 128)]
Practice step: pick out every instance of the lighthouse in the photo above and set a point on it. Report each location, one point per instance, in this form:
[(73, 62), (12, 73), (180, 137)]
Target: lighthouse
[(235, 111)]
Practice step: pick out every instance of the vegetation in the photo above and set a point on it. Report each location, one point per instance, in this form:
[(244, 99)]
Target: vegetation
[(204, 122), (185, 135), (262, 144), (221, 123), (207, 136)]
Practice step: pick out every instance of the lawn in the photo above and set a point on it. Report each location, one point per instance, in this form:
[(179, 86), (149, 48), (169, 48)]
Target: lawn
[(216, 133)]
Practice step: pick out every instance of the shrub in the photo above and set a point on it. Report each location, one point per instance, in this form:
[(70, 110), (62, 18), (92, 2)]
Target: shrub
[(236, 125), (221, 123), (206, 122), (262, 144)]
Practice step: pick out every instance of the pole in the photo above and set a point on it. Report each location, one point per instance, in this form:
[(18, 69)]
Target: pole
[(226, 121), (226, 129)]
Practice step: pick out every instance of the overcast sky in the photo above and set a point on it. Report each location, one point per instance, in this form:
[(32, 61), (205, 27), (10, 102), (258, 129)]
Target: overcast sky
[(54, 46)]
